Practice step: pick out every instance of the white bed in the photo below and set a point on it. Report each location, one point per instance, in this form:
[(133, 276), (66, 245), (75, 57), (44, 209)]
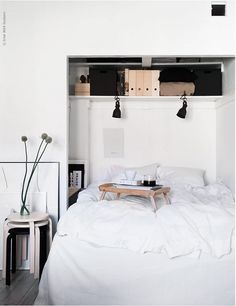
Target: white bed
[(121, 253)]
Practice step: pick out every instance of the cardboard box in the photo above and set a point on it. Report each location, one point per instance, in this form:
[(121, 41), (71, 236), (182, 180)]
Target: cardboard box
[(82, 89)]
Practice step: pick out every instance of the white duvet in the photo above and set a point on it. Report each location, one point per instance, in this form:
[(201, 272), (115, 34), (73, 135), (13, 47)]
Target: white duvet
[(199, 220)]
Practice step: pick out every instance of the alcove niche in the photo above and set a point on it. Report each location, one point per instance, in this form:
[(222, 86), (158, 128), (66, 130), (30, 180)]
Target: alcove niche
[(151, 130)]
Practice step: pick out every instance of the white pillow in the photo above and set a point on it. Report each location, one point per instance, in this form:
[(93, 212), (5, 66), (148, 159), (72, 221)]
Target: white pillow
[(181, 176), (114, 170), (140, 172)]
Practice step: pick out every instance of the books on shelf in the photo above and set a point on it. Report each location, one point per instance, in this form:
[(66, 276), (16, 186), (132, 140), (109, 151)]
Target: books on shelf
[(76, 179), (140, 187)]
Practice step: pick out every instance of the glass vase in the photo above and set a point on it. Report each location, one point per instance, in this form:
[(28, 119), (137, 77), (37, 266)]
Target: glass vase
[(24, 210)]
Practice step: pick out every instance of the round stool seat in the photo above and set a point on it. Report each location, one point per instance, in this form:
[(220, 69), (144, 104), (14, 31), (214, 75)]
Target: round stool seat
[(32, 217)]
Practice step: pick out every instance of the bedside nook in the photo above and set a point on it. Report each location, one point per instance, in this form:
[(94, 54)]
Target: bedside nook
[(73, 195)]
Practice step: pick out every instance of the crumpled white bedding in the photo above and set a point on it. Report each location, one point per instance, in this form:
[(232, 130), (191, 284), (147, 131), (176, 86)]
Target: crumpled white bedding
[(107, 253), (199, 220), (81, 273)]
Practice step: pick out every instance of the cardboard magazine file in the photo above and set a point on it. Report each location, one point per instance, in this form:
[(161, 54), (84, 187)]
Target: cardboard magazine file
[(132, 83), (139, 82)]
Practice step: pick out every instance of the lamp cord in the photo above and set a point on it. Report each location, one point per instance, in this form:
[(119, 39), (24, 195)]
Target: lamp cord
[(183, 97)]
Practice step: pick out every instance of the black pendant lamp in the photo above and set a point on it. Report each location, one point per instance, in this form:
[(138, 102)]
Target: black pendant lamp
[(117, 112), (182, 111)]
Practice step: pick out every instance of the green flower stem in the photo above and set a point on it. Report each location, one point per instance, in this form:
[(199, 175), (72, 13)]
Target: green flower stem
[(42, 153), (26, 170), (38, 153), (23, 197), (33, 169)]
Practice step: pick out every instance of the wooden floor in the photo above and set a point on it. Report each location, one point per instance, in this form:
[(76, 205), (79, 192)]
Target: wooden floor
[(23, 289)]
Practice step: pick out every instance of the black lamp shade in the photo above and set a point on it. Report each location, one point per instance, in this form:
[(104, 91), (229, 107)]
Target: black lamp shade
[(117, 112), (182, 112)]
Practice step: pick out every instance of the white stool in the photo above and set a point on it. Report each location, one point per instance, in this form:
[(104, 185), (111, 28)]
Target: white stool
[(33, 221)]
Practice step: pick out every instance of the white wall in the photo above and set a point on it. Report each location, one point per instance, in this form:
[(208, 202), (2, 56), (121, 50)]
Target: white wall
[(152, 133), (226, 144), (40, 35), (225, 128)]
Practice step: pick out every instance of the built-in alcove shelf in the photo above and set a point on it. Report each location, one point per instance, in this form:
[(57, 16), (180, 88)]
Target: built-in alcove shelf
[(106, 75)]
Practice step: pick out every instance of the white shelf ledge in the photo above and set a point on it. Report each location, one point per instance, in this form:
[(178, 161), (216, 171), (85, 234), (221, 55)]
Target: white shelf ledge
[(147, 98)]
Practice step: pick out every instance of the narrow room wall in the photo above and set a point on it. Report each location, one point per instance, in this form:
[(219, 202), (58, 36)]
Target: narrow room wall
[(225, 128)]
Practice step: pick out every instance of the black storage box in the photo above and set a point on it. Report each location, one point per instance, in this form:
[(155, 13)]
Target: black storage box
[(208, 82), (102, 81)]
